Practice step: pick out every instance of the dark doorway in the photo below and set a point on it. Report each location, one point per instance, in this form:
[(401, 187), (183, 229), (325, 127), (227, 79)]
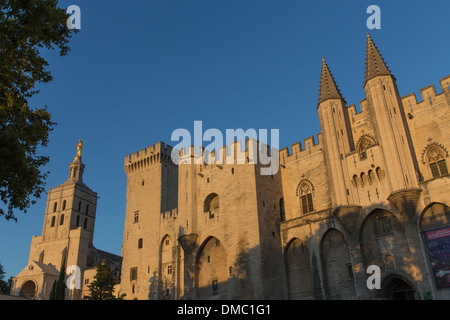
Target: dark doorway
[(397, 288), (28, 290)]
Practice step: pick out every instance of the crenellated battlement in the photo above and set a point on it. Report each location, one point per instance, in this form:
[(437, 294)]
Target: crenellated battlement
[(154, 154), (309, 147), (428, 97), (170, 214), (234, 153)]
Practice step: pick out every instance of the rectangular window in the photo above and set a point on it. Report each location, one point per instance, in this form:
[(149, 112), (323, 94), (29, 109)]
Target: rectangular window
[(304, 204), (434, 170), (215, 287), (350, 271), (310, 203), (136, 217), (140, 243), (383, 225), (169, 269), (133, 274), (442, 167)]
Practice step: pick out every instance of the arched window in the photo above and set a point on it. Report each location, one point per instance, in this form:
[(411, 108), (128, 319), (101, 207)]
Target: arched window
[(79, 206), (212, 205), (64, 205), (437, 163), (78, 221), (306, 197), (55, 206), (61, 220), (85, 223), (53, 221), (87, 209), (364, 143)]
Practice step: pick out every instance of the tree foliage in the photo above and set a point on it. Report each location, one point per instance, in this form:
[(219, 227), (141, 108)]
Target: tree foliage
[(102, 288), (58, 291), (27, 27), (4, 286)]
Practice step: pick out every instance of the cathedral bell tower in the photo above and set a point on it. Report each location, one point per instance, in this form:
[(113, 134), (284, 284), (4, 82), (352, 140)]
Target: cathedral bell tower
[(67, 234)]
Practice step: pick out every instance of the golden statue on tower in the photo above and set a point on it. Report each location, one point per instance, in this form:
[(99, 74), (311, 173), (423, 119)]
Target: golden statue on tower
[(79, 150)]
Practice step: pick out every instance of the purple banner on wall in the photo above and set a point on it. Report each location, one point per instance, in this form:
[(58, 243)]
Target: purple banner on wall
[(438, 244)]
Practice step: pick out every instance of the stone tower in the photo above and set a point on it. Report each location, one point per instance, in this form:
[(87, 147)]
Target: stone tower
[(67, 237)]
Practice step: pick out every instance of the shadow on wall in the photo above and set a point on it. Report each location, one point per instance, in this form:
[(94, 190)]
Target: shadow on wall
[(329, 264)]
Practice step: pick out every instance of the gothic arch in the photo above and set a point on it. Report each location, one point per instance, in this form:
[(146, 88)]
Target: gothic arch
[(431, 146), (397, 286), (166, 269), (303, 182), (364, 142), (383, 242), (337, 266), (434, 215), (211, 271), (298, 270)]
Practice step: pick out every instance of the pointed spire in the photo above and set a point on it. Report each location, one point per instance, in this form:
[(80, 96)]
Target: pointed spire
[(328, 87), (375, 65)]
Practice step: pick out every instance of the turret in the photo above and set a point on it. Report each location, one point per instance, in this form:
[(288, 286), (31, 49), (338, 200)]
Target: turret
[(337, 135), (389, 122)]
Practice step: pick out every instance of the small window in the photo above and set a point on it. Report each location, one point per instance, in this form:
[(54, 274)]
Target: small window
[(232, 170), (61, 220), (307, 203), (136, 217), (231, 271), (85, 223), (133, 274), (55, 206), (78, 221), (350, 271), (140, 243), (215, 287), (282, 212), (53, 221), (169, 269), (382, 225), (209, 259), (64, 205), (87, 209), (167, 242), (79, 206)]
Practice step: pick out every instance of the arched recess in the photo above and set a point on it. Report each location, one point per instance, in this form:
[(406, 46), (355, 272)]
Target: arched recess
[(28, 290), (364, 143), (384, 244), (211, 205), (434, 224), (299, 271), (397, 287), (211, 280), (166, 269), (337, 267)]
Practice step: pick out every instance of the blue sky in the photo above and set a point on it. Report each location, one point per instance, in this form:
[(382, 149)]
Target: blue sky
[(138, 70)]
